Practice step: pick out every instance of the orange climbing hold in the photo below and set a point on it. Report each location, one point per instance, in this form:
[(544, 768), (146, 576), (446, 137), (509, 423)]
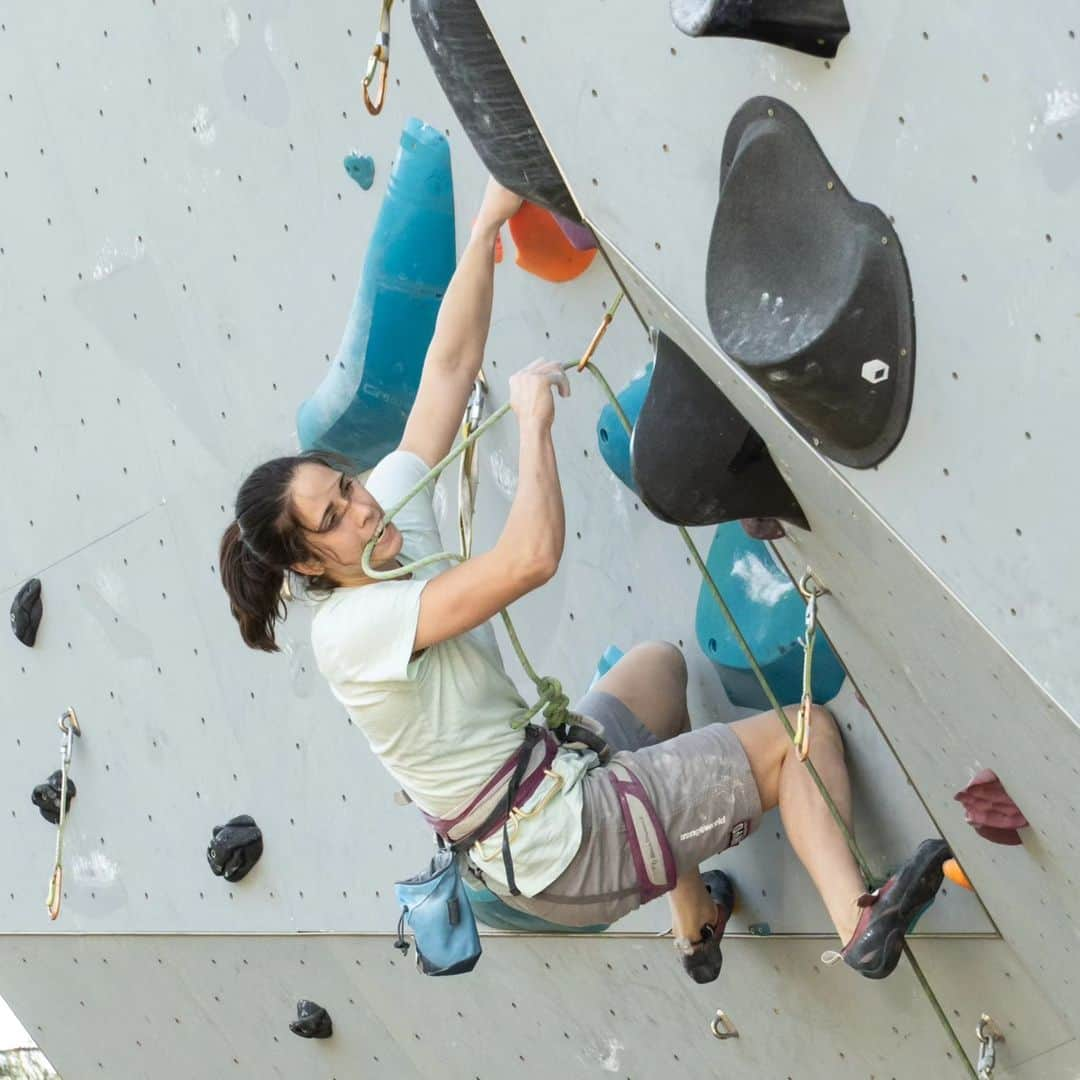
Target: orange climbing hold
[(955, 874), (542, 247)]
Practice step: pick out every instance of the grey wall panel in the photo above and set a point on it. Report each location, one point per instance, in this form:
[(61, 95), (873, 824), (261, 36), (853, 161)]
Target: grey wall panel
[(154, 425), (948, 697), (964, 129), (533, 1006)]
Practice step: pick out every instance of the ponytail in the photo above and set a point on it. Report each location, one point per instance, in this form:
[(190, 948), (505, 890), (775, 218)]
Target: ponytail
[(254, 590), (265, 541)]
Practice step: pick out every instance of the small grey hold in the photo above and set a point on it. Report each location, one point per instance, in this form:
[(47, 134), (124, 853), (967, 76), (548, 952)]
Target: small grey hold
[(313, 1023), (235, 848), (26, 611), (46, 797)]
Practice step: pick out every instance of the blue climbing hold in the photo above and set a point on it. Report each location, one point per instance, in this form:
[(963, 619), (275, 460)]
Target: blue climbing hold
[(360, 408), (362, 169), (771, 614), (613, 438), (612, 655)]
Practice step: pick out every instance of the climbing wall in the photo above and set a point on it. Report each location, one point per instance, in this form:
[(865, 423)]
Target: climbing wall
[(182, 231)]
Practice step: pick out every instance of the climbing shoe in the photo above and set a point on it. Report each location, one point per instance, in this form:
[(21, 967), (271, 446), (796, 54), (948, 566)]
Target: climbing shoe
[(892, 910), (702, 959)]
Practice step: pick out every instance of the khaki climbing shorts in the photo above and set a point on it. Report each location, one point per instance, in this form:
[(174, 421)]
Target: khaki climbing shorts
[(705, 797)]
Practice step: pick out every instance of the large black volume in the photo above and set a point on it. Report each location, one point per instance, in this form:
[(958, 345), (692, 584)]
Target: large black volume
[(477, 81), (811, 26), (808, 290), (695, 459)]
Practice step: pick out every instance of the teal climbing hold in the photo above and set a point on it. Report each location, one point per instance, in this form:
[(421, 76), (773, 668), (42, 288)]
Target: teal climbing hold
[(491, 911), (771, 614), (612, 655), (362, 169), (361, 406), (612, 437)]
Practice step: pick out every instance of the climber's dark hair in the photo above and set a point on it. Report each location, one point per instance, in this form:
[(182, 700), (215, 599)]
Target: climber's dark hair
[(258, 549)]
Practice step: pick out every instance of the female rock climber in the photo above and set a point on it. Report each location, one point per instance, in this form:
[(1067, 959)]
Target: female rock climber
[(415, 662)]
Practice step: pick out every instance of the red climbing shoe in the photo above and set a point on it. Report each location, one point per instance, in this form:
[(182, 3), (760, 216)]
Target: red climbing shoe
[(891, 911), (702, 959)]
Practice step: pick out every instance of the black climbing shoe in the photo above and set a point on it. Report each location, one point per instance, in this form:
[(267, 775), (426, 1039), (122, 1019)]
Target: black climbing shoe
[(892, 910), (702, 959)]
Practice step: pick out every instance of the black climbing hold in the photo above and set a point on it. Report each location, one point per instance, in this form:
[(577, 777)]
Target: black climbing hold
[(46, 797), (482, 92), (313, 1023), (695, 460), (235, 849), (26, 612), (810, 26), (807, 289)]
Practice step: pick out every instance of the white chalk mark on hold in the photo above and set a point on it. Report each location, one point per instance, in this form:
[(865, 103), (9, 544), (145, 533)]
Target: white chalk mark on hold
[(763, 584)]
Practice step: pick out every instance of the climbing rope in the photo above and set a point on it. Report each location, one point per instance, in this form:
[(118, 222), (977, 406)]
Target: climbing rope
[(379, 61), (56, 884), (554, 702)]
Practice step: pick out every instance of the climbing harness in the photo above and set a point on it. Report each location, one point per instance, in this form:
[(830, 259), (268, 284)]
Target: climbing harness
[(379, 61), (988, 1034), (810, 594), (69, 725)]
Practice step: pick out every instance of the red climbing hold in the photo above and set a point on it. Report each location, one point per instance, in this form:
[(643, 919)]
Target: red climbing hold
[(542, 247), (990, 811)]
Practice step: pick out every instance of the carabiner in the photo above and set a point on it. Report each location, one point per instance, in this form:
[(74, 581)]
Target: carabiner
[(804, 586), (380, 57), (722, 1027), (601, 330), (802, 728)]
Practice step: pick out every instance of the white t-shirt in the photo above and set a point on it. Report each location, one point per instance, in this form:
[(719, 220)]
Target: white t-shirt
[(440, 723)]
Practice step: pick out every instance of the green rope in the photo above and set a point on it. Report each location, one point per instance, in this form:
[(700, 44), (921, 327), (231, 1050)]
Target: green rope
[(554, 702)]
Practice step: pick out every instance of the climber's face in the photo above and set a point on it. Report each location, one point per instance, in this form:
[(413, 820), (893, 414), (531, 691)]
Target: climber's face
[(339, 516)]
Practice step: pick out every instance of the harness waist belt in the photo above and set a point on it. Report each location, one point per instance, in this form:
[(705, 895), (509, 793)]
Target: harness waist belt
[(487, 810)]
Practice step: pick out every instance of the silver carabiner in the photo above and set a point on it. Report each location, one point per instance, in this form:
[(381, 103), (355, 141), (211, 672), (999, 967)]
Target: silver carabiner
[(989, 1035), (475, 408), (722, 1027), (804, 586)]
